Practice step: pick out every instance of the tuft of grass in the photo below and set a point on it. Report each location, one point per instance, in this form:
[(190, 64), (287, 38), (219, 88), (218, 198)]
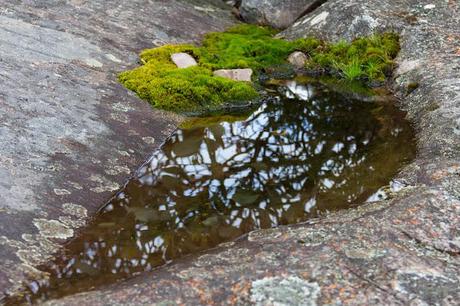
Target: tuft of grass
[(350, 71), (197, 90)]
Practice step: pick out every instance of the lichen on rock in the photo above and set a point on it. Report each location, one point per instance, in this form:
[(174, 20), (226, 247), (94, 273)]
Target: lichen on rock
[(290, 290), (53, 229)]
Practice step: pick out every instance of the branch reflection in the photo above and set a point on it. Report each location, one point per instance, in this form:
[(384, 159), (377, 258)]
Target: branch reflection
[(308, 151)]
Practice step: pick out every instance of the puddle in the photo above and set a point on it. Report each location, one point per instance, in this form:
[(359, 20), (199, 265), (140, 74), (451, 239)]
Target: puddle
[(307, 151)]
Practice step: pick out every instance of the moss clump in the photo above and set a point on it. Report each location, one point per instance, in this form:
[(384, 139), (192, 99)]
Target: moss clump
[(368, 59), (244, 46), (196, 89), (192, 89)]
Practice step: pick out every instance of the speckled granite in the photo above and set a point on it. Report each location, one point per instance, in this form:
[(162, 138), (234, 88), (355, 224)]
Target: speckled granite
[(70, 134), (401, 251)]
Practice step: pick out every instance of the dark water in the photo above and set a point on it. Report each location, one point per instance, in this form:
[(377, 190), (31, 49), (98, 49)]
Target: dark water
[(308, 151)]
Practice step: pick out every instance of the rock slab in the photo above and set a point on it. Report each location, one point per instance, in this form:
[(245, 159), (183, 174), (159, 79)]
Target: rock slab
[(235, 74), (70, 133), (401, 251), (279, 14), (183, 60)]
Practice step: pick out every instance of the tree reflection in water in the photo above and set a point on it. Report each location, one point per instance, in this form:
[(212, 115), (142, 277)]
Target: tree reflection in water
[(310, 151)]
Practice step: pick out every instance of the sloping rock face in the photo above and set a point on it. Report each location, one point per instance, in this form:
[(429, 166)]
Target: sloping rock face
[(279, 14), (401, 251), (70, 134)]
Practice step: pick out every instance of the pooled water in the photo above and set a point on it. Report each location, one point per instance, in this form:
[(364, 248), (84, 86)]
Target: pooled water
[(306, 151)]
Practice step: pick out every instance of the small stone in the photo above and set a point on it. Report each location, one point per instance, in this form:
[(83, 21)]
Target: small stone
[(235, 74), (183, 60), (298, 59)]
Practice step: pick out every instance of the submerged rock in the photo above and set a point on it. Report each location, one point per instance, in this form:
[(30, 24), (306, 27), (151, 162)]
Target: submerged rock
[(183, 60), (235, 74), (279, 14), (298, 59)]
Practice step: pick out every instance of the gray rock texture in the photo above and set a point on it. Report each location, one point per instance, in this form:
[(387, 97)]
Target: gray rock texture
[(70, 134), (401, 251), (279, 14)]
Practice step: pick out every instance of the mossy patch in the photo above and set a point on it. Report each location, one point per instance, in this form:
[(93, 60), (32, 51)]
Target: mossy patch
[(192, 89), (244, 46), (367, 59), (197, 90)]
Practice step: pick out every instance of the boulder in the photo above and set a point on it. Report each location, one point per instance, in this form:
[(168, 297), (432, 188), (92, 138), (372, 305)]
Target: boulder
[(235, 74), (183, 60), (279, 14), (335, 22), (298, 59)]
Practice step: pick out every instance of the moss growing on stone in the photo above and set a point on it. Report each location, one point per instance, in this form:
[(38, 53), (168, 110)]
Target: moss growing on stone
[(244, 46), (197, 90), (192, 89), (368, 59)]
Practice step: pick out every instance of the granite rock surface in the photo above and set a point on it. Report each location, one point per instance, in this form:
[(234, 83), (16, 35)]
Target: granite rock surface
[(279, 14), (70, 134), (404, 250)]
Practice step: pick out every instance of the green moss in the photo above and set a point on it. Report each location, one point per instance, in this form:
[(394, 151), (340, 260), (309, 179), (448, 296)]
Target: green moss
[(192, 89), (244, 46), (367, 59), (196, 89)]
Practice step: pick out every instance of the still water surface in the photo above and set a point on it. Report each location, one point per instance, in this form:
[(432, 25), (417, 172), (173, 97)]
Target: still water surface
[(305, 151)]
